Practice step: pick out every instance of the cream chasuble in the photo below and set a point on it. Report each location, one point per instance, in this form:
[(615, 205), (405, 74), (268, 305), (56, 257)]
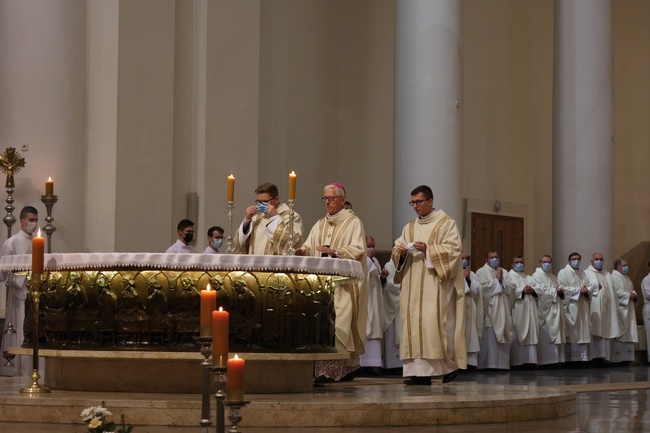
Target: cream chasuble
[(268, 236), (549, 305), (524, 309), (428, 285), (473, 314), (604, 304), (624, 287), (344, 233), (496, 303), (577, 306)]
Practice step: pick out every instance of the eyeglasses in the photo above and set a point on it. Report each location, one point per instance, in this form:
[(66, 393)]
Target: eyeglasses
[(264, 201), (326, 199), (418, 202)]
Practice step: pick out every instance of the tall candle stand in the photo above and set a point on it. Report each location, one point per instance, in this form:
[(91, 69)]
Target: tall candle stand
[(292, 236), (220, 382), (48, 201), (9, 219), (9, 356), (206, 350), (35, 282), (231, 245)]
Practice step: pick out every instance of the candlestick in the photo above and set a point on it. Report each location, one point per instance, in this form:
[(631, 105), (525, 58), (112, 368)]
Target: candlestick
[(231, 188), (220, 338), (49, 228), (291, 248), (292, 186), (38, 253), (208, 305), (235, 379), (49, 187), (206, 366), (230, 249), (35, 281)]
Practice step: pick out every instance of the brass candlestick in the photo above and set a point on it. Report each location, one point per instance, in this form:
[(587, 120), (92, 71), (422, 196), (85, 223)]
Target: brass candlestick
[(220, 382), (231, 244), (48, 201), (292, 236), (35, 282)]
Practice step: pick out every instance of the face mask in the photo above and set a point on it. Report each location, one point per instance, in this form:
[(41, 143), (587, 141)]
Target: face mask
[(30, 227), (575, 264), (624, 270), (598, 264), (546, 267), (465, 263), (494, 262), (262, 207), (519, 267), (217, 243), (188, 238)]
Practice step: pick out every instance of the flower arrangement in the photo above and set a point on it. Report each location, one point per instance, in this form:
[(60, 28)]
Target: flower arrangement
[(95, 418)]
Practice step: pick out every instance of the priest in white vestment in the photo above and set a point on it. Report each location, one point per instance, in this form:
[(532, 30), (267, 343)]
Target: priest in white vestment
[(623, 346), (645, 290), (577, 297), (473, 312), (525, 318), (340, 234), (20, 243), (427, 259), (391, 319), (605, 326), (498, 331), (552, 330), (266, 226)]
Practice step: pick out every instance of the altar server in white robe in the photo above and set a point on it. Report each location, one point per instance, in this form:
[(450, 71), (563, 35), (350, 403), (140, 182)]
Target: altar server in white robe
[(391, 319), (340, 234), (623, 346), (605, 325), (498, 331), (576, 287), (20, 243), (525, 317), (473, 312), (266, 226), (645, 290), (552, 330), (432, 303), (185, 232), (372, 357)]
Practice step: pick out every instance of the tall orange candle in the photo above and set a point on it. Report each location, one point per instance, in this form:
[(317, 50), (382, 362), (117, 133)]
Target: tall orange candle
[(235, 379), (220, 338), (49, 187), (292, 186), (231, 188), (208, 305), (38, 253)]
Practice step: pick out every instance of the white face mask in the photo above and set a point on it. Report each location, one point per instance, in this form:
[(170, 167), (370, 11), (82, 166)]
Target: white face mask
[(31, 227), (217, 242), (546, 266)]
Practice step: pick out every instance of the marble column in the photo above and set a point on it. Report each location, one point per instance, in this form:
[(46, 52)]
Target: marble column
[(428, 84), (582, 130)]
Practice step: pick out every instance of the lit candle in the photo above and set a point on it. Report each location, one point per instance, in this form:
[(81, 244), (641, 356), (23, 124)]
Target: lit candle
[(219, 338), (292, 186), (235, 379), (38, 253), (208, 305), (49, 187), (231, 188)]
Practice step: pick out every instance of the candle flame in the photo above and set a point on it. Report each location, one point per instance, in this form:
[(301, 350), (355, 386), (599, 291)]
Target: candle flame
[(236, 357), (49, 179), (38, 235), (208, 287), (231, 176), (293, 173), (221, 309)]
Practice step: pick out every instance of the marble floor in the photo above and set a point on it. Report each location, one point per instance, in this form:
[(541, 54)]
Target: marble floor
[(610, 399)]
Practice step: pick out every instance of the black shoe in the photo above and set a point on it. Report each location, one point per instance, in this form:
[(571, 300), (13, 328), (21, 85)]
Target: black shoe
[(322, 380), (418, 380), (348, 377), (449, 376)]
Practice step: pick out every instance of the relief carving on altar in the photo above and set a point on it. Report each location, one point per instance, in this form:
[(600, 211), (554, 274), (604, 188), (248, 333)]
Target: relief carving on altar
[(277, 312)]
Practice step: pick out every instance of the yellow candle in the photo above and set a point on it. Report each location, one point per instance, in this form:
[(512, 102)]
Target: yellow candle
[(231, 188), (49, 187), (292, 186)]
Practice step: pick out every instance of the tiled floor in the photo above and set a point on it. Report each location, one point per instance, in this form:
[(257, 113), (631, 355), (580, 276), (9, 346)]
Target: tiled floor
[(603, 411)]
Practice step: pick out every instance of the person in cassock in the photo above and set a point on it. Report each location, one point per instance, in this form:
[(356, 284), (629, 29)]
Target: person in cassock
[(185, 232), (391, 319), (623, 346), (20, 243), (340, 234), (498, 331), (525, 318), (432, 301), (265, 228), (552, 331), (215, 240), (577, 296), (645, 290), (372, 357), (473, 312), (605, 327)]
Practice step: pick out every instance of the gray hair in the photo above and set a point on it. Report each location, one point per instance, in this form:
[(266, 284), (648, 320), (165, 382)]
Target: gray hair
[(340, 192)]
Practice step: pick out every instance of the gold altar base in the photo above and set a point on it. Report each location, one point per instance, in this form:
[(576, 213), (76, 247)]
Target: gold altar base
[(365, 402)]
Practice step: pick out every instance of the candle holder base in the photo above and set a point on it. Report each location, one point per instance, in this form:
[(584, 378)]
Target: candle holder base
[(206, 350), (35, 388), (235, 414)]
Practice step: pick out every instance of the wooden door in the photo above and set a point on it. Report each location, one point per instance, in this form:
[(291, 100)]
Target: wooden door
[(502, 234)]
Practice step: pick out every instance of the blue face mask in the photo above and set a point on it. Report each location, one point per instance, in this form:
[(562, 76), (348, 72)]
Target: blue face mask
[(217, 243), (465, 263), (575, 264), (546, 266), (519, 267), (494, 262), (624, 269), (598, 264)]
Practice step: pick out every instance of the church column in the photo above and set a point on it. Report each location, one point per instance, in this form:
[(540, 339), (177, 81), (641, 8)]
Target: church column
[(583, 129), (428, 84)]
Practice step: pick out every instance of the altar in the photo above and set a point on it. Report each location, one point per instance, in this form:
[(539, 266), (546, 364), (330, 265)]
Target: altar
[(128, 321)]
